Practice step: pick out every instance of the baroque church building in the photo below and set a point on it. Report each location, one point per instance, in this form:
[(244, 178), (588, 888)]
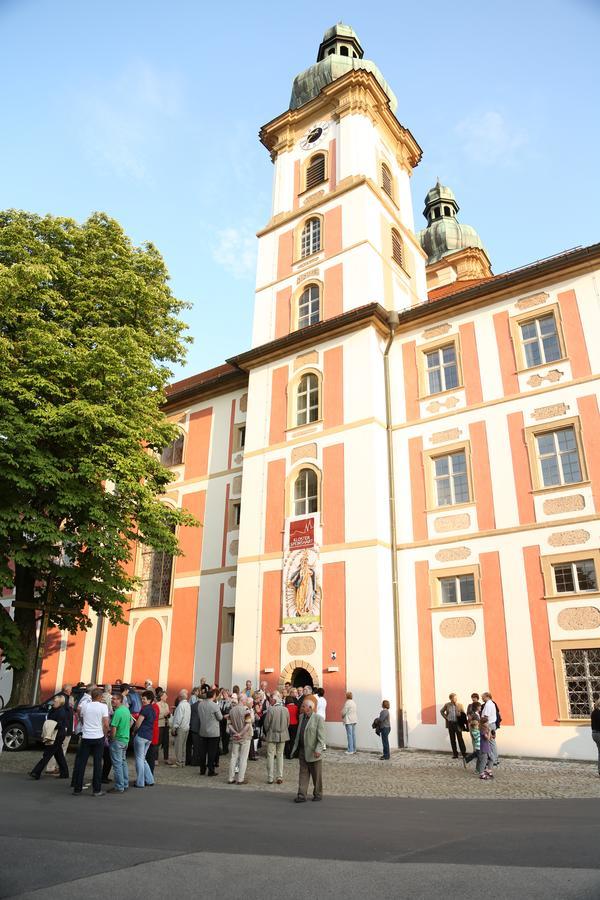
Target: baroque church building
[(399, 482)]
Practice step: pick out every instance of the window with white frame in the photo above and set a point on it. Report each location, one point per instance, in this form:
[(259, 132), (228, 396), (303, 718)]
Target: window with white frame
[(457, 589), (309, 306), (582, 680), (558, 456), (172, 454), (451, 479), (310, 240), (575, 577), (442, 369), (306, 492), (540, 340), (307, 399)]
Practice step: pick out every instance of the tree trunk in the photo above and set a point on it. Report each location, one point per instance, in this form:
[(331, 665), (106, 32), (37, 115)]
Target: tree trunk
[(24, 679)]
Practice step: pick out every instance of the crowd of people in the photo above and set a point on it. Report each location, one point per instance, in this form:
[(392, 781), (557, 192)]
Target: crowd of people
[(482, 720)]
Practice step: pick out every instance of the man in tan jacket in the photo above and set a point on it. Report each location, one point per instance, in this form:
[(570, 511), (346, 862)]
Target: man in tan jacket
[(276, 728), (309, 745), (456, 721)]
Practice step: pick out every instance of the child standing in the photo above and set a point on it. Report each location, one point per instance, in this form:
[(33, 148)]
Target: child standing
[(484, 756), (475, 740)]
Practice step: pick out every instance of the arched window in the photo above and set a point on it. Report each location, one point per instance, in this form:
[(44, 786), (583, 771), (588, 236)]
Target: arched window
[(315, 172), (155, 577), (344, 51), (306, 498), (437, 212), (310, 241), (447, 211), (386, 179), (172, 455), (397, 252), (307, 399), (309, 306)]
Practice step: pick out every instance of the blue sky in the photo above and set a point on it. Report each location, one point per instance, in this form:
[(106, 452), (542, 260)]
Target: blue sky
[(150, 109)]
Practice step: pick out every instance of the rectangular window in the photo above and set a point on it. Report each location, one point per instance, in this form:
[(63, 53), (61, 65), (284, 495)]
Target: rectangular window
[(540, 340), (558, 456), (451, 479), (155, 578), (172, 455), (582, 680), (442, 369), (236, 514), (457, 589), (575, 577), (241, 437), (230, 624)]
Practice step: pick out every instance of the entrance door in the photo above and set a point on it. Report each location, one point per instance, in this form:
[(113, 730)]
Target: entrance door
[(301, 678)]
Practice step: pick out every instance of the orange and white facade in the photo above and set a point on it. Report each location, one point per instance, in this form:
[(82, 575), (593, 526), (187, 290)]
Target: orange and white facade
[(395, 501)]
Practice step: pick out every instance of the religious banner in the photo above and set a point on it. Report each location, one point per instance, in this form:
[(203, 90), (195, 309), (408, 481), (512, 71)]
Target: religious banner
[(301, 577)]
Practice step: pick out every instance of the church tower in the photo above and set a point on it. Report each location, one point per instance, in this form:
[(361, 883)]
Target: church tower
[(314, 598)]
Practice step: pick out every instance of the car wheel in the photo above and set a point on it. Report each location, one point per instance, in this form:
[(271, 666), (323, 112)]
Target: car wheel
[(15, 737)]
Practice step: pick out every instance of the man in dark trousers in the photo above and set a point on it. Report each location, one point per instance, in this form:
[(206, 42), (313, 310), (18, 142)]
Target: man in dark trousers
[(456, 722)]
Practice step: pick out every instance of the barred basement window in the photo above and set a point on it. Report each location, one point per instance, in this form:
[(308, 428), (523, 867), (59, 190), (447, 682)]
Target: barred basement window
[(172, 455), (310, 241), (386, 179), (315, 172), (155, 577), (397, 250), (582, 679)]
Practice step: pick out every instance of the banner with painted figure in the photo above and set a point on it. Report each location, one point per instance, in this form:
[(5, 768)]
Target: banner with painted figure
[(302, 592)]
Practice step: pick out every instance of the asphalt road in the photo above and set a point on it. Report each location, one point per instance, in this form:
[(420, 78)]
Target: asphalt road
[(171, 842)]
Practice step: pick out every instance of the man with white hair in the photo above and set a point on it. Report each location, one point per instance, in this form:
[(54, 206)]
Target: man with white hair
[(180, 726), (276, 728), (309, 746)]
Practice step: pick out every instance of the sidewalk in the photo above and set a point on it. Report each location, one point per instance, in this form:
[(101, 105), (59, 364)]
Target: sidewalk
[(410, 773)]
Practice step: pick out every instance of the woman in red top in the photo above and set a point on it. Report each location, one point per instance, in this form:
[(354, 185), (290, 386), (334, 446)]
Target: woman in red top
[(291, 702)]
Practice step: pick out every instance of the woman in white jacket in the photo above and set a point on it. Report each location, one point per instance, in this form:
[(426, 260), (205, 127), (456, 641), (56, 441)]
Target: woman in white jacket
[(350, 719)]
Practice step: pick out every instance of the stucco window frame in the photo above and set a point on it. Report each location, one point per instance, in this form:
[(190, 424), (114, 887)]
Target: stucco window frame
[(429, 347), (515, 323), (182, 433), (293, 384), (560, 679), (535, 469), (435, 588), (231, 523), (298, 258), (430, 491), (548, 561), (382, 161), (304, 168), (289, 490), (310, 282), (226, 612)]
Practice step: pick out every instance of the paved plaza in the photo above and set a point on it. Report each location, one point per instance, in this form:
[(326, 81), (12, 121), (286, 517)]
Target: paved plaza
[(409, 773)]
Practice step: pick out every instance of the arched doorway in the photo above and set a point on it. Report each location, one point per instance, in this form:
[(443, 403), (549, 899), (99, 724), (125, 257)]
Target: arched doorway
[(301, 678)]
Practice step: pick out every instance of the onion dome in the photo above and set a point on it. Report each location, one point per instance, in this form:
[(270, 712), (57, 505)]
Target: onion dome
[(444, 234)]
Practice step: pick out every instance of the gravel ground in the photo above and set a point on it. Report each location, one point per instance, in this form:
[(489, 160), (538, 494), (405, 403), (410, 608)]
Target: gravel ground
[(409, 773)]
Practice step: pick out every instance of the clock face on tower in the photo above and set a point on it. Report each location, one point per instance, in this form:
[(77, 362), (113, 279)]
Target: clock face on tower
[(314, 135)]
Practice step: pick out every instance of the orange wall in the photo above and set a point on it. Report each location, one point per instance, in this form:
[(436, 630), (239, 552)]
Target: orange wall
[(573, 332), (283, 310), (332, 165), (333, 387), (116, 648), (278, 421), (521, 469), (333, 231), (482, 477), (333, 621), (428, 707), (198, 443), (334, 528), (270, 624), (49, 673), (190, 538), (470, 363), (183, 640), (540, 632), (506, 352), (275, 511), (285, 254), (496, 644), (146, 652), (231, 425), (333, 298), (411, 380), (417, 488), (590, 430)]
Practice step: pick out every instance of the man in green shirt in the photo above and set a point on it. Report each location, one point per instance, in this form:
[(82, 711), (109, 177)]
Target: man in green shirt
[(120, 725)]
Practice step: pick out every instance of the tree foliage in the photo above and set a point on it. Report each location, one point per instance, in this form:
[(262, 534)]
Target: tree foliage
[(88, 328)]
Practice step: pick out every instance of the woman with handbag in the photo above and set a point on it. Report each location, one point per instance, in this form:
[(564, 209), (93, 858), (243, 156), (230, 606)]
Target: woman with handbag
[(53, 739)]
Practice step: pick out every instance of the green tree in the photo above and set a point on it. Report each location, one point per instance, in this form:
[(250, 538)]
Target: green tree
[(88, 328)]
